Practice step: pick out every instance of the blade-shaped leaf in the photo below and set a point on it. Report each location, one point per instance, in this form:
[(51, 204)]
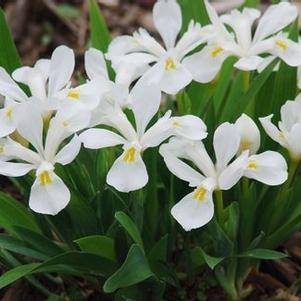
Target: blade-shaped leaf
[(135, 269)]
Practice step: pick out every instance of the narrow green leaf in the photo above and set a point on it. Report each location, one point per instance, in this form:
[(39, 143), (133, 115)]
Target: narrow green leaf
[(9, 58), (17, 246), (100, 35), (127, 223), (39, 242), (99, 245), (211, 261), (263, 254), (13, 213), (135, 269)]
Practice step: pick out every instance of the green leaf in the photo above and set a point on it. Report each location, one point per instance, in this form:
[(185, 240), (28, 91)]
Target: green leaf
[(100, 35), (70, 263), (9, 58), (211, 261), (159, 250), (263, 254), (135, 269), (17, 246), (127, 223), (39, 242), (99, 245), (9, 208)]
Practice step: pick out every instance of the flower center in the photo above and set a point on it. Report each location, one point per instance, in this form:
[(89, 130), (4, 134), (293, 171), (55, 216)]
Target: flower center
[(200, 194), (281, 44), (130, 155), (45, 178), (9, 113), (244, 145), (252, 165), (170, 64), (216, 51), (74, 94)]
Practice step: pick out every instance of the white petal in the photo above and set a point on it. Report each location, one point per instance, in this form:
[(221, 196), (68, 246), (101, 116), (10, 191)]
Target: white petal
[(269, 168), (271, 129), (249, 63), (10, 169), (68, 153), (274, 19), (145, 104), (95, 64), (7, 123), (49, 198), (100, 138), (190, 127), (226, 144), (61, 69), (290, 54), (290, 114), (193, 214), (168, 20), (205, 65), (30, 124), (169, 81), (294, 141), (9, 88), (249, 134), (159, 132), (233, 173), (180, 169), (128, 176)]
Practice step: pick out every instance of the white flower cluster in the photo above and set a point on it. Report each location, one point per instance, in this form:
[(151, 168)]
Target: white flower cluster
[(39, 128)]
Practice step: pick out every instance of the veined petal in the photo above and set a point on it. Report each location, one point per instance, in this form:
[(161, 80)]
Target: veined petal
[(249, 134), (275, 19), (100, 138), (167, 17), (68, 153), (49, 194), (233, 173), (269, 168), (226, 143), (193, 212), (9, 88), (11, 169), (189, 126), (272, 130), (61, 69), (128, 172), (145, 103), (206, 64), (95, 64), (179, 168)]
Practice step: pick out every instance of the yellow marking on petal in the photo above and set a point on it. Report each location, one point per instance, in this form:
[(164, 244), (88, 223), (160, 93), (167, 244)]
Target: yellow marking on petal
[(281, 136), (216, 51), (176, 124), (9, 112), (130, 155), (170, 64), (1, 149), (245, 145), (45, 178), (281, 44), (252, 165), (66, 124), (74, 94), (200, 194)]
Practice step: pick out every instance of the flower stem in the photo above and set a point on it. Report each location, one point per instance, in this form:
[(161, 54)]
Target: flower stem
[(219, 203), (246, 81)]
